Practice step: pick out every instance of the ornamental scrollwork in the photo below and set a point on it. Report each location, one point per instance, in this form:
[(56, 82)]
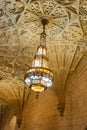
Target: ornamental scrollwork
[(13, 6), (65, 2), (60, 14), (83, 15), (10, 12), (72, 33), (55, 13)]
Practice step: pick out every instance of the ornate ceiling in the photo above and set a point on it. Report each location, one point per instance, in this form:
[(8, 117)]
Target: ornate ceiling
[(20, 28)]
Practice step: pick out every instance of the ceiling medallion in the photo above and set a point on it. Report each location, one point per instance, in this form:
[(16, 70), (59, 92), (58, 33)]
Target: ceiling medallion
[(54, 12), (39, 77)]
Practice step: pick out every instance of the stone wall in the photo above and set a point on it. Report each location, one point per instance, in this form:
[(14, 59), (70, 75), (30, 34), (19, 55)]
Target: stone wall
[(41, 113), (79, 103)]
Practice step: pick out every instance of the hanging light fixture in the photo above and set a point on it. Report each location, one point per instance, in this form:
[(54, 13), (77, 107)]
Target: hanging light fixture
[(39, 77)]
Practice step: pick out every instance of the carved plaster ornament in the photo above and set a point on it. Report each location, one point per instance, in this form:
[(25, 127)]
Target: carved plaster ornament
[(20, 28)]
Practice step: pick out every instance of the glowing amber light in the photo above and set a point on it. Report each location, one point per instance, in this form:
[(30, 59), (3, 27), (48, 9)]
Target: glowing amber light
[(37, 88)]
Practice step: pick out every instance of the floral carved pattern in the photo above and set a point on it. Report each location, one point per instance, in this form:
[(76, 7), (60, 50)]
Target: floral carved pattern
[(20, 28), (56, 15), (83, 15)]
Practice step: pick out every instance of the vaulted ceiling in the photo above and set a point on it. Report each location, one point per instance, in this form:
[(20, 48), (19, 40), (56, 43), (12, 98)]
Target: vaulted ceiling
[(20, 28)]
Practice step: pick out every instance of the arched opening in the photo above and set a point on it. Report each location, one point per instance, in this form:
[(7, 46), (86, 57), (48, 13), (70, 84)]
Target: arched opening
[(8, 120), (12, 123)]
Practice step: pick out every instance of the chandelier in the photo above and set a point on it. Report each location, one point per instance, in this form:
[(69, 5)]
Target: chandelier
[(39, 77)]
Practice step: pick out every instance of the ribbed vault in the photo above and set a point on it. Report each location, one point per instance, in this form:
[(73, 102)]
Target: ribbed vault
[(19, 37)]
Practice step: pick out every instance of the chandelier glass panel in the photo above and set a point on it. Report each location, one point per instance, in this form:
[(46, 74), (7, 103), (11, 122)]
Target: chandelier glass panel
[(39, 77)]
